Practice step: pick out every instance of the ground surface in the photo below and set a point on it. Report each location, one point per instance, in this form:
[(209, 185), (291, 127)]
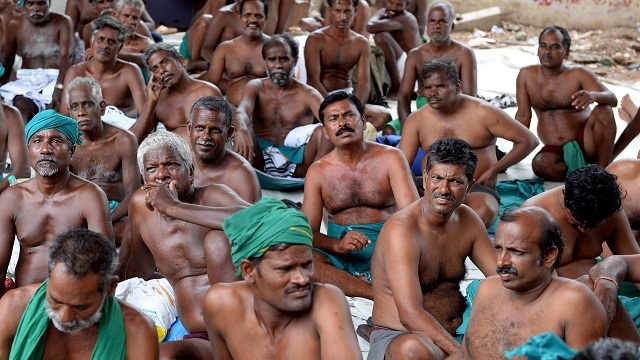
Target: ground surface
[(612, 54)]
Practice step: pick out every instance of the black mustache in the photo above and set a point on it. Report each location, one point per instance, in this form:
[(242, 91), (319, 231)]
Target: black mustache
[(507, 270), (297, 288), (164, 76), (437, 194), (344, 129)]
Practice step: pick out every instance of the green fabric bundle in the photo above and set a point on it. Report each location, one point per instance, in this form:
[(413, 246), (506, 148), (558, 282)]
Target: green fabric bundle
[(253, 230), (49, 119)]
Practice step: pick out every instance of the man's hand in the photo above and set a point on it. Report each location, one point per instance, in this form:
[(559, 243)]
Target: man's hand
[(488, 179), (352, 241), (88, 54), (607, 292), (243, 143), (154, 88), (160, 197), (582, 99)]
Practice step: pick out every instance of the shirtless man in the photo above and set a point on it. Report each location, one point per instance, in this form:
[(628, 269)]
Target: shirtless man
[(561, 94), (11, 135), (129, 13), (107, 154), (374, 182), (331, 53), (121, 81), (588, 219), (74, 314), (44, 40), (453, 114), (420, 260), (209, 131), (319, 17), (526, 297), (239, 59), (627, 172), (224, 25), (395, 31), (267, 114), (170, 93), (39, 209), (440, 25), (196, 254), (285, 315)]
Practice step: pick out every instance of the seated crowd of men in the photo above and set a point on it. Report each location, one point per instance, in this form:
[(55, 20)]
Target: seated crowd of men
[(186, 204)]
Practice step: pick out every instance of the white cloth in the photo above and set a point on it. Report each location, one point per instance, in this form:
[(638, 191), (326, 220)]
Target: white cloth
[(300, 135), (35, 84), (154, 298), (114, 116), (348, 90), (400, 63)]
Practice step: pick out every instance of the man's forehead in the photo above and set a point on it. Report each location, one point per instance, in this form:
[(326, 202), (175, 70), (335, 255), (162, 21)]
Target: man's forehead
[(253, 6), (163, 153), (551, 36), (49, 133), (205, 116), (159, 55), (128, 9), (447, 169), (278, 46), (438, 12), (292, 254), (108, 31), (341, 105), (342, 4)]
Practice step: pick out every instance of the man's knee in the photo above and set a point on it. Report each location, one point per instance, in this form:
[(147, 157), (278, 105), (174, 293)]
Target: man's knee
[(485, 205), (28, 108), (603, 114), (409, 346), (382, 37), (549, 166)]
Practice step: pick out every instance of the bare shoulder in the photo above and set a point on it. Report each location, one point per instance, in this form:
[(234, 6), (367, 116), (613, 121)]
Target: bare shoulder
[(531, 70), (14, 302), (218, 195), (230, 297), (463, 48), (203, 88), (388, 154), (84, 187), (327, 295), (572, 292), (124, 138), (61, 19), (309, 92)]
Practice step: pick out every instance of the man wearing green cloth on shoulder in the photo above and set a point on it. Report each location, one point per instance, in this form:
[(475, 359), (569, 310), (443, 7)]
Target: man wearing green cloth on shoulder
[(73, 313), (277, 309)]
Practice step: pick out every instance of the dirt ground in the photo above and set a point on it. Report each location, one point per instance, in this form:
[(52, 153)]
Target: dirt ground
[(612, 54)]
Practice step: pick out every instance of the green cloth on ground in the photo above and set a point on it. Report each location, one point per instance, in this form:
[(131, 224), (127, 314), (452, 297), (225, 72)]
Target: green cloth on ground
[(472, 289), (573, 156), (113, 205), (632, 304), (49, 119), (395, 125), (269, 182), (184, 47), (357, 263), (295, 155), (31, 334), (420, 101), (513, 193), (253, 230), (545, 346), (628, 289)]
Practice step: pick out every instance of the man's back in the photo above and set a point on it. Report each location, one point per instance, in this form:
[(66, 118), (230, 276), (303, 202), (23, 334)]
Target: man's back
[(560, 309)]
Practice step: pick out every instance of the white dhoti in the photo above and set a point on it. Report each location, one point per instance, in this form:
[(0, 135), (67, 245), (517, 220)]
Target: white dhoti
[(35, 84), (114, 116)]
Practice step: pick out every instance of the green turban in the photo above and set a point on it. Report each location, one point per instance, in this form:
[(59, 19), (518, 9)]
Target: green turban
[(49, 119), (253, 230)]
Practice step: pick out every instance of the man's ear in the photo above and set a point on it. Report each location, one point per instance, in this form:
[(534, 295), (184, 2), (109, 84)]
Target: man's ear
[(230, 131), (550, 257), (471, 185), (111, 286), (103, 107), (248, 269)]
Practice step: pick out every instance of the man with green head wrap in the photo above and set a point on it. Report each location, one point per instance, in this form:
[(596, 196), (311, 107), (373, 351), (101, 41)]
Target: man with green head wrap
[(276, 306), (55, 200)]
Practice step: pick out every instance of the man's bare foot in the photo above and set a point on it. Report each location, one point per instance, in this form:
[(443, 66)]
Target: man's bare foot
[(627, 109)]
